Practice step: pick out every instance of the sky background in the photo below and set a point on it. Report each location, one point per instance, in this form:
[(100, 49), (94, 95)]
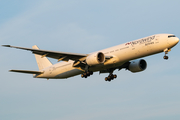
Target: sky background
[(85, 26)]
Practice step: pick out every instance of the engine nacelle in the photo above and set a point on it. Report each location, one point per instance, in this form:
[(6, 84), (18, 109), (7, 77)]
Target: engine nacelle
[(95, 59), (137, 65)]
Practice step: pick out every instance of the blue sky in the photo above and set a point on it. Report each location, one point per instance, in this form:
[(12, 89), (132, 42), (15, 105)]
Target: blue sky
[(83, 27)]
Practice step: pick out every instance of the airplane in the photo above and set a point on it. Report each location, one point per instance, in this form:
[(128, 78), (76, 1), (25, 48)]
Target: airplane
[(123, 56)]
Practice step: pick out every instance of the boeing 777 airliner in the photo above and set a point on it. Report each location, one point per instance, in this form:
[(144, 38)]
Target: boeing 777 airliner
[(105, 61)]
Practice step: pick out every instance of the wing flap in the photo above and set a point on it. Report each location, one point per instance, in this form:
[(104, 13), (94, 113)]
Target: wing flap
[(26, 71)]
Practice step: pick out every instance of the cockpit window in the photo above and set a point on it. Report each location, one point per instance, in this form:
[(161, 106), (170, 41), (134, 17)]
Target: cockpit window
[(171, 36)]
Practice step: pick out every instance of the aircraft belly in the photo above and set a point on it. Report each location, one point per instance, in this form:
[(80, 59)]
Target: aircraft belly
[(65, 71), (69, 73)]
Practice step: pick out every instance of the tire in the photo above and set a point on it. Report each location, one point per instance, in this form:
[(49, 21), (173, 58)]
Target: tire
[(91, 73)]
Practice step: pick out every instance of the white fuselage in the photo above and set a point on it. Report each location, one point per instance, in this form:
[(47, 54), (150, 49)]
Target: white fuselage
[(121, 54)]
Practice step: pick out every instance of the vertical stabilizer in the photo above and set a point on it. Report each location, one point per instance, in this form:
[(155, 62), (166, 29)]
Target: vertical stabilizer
[(42, 62)]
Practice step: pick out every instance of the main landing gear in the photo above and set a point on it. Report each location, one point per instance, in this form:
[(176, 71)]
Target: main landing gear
[(166, 52), (110, 77), (86, 74)]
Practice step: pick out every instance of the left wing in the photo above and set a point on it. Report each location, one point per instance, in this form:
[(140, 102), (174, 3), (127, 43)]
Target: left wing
[(52, 54)]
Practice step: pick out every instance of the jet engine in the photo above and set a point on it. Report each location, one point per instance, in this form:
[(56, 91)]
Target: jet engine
[(95, 59), (137, 65)]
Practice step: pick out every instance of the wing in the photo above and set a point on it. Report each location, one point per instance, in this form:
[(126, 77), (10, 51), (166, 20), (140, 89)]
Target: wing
[(27, 71), (52, 54)]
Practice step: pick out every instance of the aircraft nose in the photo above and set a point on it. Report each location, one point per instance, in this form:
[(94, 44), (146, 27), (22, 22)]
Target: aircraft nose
[(176, 40)]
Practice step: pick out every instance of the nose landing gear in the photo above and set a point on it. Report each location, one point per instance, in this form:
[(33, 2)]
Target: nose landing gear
[(87, 73), (166, 52)]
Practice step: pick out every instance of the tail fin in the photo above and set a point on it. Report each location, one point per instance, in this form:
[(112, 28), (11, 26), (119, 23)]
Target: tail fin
[(42, 62)]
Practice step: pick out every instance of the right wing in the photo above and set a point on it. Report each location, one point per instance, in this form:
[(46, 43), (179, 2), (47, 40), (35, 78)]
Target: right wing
[(26, 71), (53, 54)]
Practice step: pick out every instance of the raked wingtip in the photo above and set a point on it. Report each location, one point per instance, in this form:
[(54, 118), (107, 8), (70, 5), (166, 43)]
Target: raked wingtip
[(6, 45)]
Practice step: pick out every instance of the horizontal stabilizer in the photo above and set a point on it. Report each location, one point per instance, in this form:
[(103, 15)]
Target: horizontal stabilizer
[(26, 71)]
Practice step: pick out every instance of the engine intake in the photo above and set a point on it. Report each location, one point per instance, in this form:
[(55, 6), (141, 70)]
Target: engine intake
[(137, 66), (95, 59)]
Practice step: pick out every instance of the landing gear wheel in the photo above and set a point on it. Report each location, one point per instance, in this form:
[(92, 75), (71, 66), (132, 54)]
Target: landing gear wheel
[(91, 73), (86, 74), (82, 75), (165, 57), (115, 76), (109, 77), (112, 76)]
